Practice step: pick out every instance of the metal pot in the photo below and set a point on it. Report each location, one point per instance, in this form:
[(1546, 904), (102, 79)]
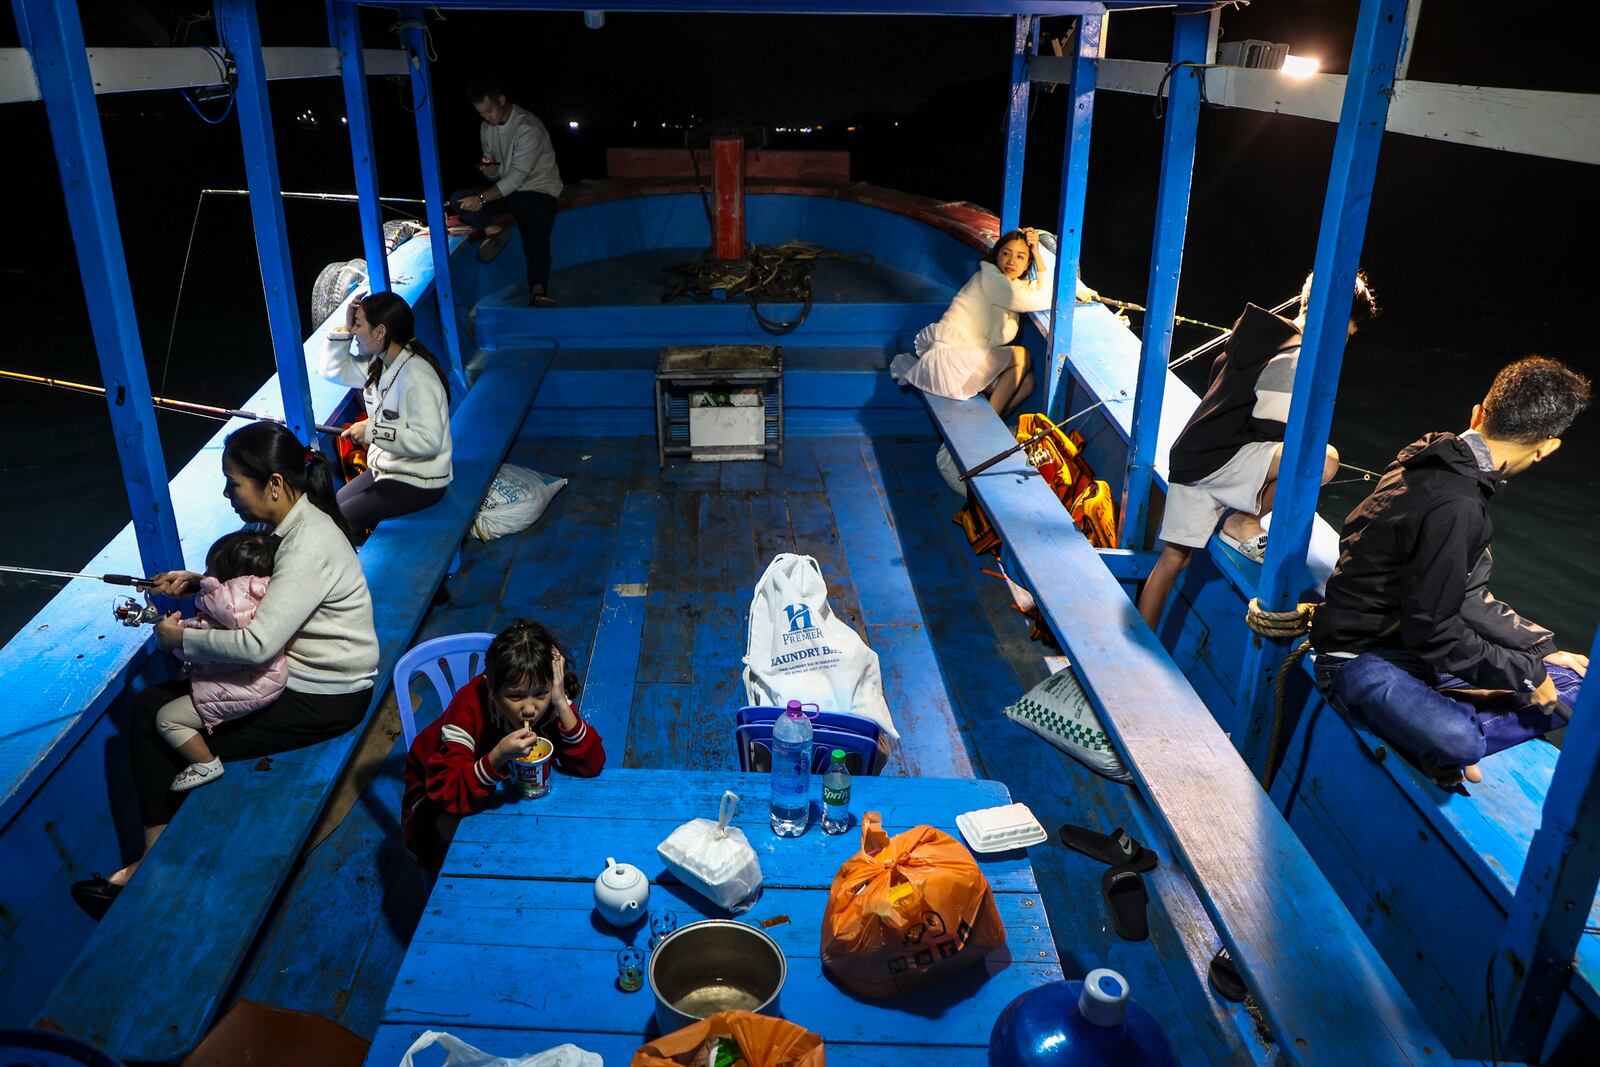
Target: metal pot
[(715, 965)]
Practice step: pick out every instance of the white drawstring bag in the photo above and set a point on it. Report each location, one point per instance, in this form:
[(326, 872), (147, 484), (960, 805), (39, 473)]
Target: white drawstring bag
[(797, 649), (715, 859), (514, 502), (460, 1054)]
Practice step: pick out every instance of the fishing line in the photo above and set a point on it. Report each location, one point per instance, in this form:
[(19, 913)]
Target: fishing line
[(1126, 305)]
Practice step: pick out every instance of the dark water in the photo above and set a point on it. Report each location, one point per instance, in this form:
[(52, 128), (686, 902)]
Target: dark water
[(1476, 255)]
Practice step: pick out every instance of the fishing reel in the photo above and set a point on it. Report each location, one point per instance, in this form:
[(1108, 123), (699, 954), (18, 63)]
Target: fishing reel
[(130, 612)]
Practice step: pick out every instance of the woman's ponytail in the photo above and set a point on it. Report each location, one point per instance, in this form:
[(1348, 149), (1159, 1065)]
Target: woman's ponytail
[(262, 449)]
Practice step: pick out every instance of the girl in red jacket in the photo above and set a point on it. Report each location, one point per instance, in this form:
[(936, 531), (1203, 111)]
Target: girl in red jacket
[(525, 692)]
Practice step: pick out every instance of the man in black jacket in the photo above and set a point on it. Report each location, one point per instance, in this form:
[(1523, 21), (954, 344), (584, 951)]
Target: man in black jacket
[(1409, 641)]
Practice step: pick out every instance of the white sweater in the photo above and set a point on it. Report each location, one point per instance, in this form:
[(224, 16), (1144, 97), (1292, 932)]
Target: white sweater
[(524, 160), (408, 414), (317, 611), (985, 311)]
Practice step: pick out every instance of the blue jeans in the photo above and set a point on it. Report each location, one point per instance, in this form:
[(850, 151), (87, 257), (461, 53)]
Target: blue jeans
[(1407, 703)]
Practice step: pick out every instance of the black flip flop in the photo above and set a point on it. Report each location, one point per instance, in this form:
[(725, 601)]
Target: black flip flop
[(1126, 900), (1116, 849), (1226, 979), (95, 895)]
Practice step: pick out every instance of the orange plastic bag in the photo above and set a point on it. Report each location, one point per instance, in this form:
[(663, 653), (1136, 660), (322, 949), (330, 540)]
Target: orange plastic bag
[(765, 1042), (906, 910)]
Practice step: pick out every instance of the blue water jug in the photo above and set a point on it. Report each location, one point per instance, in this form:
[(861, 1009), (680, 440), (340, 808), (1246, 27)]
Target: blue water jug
[(1091, 1023), (791, 772)]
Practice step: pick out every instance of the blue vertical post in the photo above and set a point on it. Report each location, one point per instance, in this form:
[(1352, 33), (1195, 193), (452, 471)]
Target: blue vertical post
[(1025, 44), (53, 37), (1362, 118), (1533, 963), (433, 191), (241, 35), (353, 69), (1190, 39), (1069, 227)]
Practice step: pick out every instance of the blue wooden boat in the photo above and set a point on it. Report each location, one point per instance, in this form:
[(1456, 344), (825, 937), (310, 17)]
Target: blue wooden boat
[(1375, 918)]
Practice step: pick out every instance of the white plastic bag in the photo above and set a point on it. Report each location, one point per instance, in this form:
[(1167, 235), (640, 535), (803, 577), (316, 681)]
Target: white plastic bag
[(797, 649), (514, 502), (1057, 710), (461, 1054), (715, 859), (950, 471)]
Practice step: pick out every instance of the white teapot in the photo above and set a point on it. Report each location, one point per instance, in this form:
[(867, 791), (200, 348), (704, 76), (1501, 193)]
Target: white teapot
[(620, 893)]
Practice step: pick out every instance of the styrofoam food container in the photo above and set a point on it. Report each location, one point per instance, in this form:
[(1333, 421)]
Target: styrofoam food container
[(997, 829)]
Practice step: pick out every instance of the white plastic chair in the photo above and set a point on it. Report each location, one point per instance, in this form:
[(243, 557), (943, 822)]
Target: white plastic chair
[(463, 656)]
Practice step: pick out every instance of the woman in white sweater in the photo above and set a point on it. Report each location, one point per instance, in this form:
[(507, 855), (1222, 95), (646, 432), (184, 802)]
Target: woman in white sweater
[(969, 350), (317, 612), (407, 428)]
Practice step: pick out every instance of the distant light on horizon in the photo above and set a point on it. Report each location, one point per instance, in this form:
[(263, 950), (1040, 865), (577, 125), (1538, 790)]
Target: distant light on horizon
[(572, 124), (1300, 66)]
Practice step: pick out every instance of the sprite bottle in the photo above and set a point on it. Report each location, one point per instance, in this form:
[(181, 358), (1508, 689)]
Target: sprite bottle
[(836, 796)]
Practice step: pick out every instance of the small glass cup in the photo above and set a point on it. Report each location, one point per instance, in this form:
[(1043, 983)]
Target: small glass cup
[(662, 923), (630, 970)]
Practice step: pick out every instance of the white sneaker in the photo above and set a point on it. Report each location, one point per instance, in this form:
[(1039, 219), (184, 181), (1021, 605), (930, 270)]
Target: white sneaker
[(196, 774)]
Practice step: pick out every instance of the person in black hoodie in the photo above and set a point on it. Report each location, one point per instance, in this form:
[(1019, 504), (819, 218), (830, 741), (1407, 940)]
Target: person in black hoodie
[(1409, 641), (1228, 453)]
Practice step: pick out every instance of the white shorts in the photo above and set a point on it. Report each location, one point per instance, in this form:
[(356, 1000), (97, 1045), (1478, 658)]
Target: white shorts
[(1193, 511)]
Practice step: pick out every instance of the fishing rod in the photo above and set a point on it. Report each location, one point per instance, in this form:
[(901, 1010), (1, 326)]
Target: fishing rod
[(207, 411), (1040, 436), (1124, 305), (1222, 338), (109, 579)]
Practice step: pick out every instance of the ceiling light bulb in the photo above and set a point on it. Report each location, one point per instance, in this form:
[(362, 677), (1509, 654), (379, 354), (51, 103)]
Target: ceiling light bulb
[(1299, 66)]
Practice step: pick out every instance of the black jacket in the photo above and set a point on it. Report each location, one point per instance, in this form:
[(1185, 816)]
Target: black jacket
[(1413, 573), (1225, 420)]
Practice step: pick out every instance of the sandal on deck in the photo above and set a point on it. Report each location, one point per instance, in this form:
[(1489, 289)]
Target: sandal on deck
[(1226, 979), (95, 895), (1126, 900), (1253, 549), (541, 300), (1117, 849)]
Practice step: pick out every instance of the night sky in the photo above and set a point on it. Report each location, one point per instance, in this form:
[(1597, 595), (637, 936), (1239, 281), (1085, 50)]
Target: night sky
[(1480, 257)]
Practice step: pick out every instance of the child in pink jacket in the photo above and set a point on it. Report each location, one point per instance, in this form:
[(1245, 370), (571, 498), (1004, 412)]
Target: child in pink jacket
[(238, 570)]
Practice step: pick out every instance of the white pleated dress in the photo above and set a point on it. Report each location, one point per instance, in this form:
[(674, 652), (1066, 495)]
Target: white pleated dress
[(966, 350)]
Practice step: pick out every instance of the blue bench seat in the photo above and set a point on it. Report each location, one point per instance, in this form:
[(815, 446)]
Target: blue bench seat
[(182, 927), (1319, 981)]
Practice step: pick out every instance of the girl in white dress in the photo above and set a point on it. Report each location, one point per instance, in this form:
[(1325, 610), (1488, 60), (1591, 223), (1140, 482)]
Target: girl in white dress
[(969, 350)]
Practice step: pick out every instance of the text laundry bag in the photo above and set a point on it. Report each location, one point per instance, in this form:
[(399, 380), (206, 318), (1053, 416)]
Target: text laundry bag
[(797, 649), (514, 502), (1058, 710), (714, 859)]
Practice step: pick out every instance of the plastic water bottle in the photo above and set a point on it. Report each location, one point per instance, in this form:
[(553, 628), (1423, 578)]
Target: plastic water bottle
[(791, 772), (1091, 1023), (836, 796)]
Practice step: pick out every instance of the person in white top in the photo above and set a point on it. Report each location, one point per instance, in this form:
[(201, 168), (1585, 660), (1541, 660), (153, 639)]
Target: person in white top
[(407, 399), (316, 613), (969, 350), (524, 182)]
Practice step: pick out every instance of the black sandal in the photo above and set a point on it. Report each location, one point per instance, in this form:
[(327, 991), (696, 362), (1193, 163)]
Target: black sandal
[(1226, 979), (1126, 900), (95, 895), (1116, 849)]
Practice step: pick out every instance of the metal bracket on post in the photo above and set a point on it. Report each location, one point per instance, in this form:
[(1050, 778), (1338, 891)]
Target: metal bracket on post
[(1069, 228), (1344, 222), (1533, 963), (433, 192), (1024, 45), (241, 35), (1190, 38), (53, 37), (353, 72)]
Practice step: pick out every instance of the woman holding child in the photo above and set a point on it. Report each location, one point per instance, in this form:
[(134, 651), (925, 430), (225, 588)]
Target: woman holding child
[(407, 400), (313, 611), (969, 350)]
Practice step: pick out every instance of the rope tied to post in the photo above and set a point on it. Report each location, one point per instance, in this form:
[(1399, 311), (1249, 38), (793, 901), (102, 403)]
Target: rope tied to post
[(1282, 624)]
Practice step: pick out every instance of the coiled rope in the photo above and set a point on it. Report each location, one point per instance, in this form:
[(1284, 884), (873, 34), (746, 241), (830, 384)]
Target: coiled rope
[(779, 274), (1281, 625)]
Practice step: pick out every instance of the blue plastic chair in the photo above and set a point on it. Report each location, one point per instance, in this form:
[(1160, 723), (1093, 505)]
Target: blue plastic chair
[(865, 745), (462, 656)]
